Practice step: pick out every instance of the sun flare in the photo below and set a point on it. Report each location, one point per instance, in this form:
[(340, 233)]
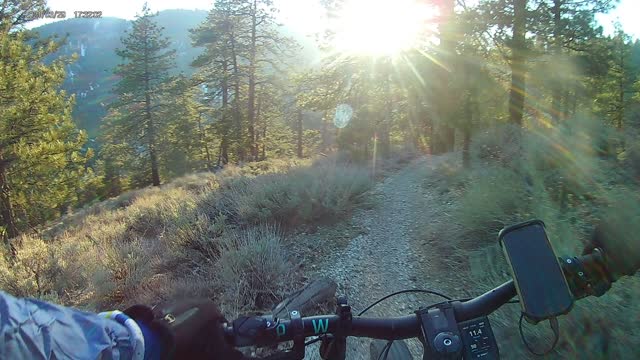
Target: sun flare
[(382, 27)]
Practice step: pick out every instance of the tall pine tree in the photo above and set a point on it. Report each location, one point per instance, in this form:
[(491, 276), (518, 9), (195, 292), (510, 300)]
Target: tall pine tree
[(145, 73), (42, 164)]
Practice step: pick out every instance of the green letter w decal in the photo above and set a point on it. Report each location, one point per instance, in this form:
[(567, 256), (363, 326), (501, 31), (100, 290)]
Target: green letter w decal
[(320, 326)]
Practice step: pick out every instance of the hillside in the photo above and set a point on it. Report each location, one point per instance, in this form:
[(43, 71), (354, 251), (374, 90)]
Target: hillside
[(91, 77), (114, 253)]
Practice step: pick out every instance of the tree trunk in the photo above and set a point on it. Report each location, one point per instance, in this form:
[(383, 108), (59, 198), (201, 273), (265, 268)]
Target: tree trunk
[(155, 174), (257, 129), (299, 134), (205, 143), (450, 138), (620, 115), (415, 128), (366, 150), (264, 143), (556, 92), (443, 134), (237, 116), (466, 144), (224, 143), (325, 132), (6, 209), (518, 68), (251, 96), (468, 117), (427, 125), (385, 140), (466, 132), (223, 159)]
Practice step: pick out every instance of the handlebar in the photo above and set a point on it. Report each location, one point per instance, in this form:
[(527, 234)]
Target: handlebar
[(586, 275)]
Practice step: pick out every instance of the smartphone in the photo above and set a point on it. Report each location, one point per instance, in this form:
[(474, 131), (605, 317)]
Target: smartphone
[(540, 282)]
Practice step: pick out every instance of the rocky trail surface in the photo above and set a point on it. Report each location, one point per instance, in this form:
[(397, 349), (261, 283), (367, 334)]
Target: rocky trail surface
[(382, 258)]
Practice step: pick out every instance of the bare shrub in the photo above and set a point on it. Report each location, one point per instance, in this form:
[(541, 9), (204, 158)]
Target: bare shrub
[(499, 145), (187, 238), (496, 198), (566, 176), (301, 196), (124, 270), (33, 270), (253, 268), (196, 183)]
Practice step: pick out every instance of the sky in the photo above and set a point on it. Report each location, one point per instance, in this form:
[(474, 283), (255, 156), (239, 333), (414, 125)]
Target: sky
[(303, 16)]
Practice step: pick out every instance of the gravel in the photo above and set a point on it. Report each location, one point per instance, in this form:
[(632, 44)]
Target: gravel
[(382, 260)]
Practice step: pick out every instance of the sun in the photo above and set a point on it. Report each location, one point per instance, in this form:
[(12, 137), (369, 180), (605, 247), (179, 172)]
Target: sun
[(382, 28)]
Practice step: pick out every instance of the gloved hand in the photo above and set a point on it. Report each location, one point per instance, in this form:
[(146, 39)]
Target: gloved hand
[(618, 235), (188, 329)]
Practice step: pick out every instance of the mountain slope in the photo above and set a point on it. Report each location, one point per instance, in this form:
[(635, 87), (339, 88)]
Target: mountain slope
[(91, 77)]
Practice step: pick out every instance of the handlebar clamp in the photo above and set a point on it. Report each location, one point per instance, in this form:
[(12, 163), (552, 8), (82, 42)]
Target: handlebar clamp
[(440, 334), (588, 275), (297, 326)]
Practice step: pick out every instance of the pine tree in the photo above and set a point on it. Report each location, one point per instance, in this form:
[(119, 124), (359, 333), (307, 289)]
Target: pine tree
[(243, 49), (188, 136), (42, 163), (565, 28), (15, 13), (219, 70), (144, 75), (617, 87), (264, 45)]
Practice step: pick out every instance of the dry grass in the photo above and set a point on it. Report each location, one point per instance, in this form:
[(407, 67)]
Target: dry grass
[(560, 176), (197, 236), (255, 269), (301, 196)]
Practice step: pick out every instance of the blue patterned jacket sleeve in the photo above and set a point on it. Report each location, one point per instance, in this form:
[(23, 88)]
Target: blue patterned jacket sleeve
[(33, 329)]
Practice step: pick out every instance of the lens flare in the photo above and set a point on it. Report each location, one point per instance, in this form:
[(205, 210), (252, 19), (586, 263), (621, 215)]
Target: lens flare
[(344, 112)]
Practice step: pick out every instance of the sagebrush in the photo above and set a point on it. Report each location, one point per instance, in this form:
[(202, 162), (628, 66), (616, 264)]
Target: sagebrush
[(566, 176), (196, 236)]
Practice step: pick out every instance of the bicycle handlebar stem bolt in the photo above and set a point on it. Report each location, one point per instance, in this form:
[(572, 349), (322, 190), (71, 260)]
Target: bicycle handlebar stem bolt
[(447, 343)]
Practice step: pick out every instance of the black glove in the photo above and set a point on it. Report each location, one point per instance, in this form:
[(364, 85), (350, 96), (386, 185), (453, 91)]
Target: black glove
[(188, 329), (618, 235)]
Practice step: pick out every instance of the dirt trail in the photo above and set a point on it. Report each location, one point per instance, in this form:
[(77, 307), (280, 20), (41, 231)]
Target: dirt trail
[(382, 260)]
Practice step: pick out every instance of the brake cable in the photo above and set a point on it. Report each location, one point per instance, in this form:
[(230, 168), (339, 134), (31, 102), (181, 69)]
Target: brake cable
[(432, 292), (404, 292), (387, 348), (385, 351)]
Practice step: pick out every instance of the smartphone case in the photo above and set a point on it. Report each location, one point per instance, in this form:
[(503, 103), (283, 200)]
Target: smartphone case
[(530, 314)]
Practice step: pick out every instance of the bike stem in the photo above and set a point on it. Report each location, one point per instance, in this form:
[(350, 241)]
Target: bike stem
[(334, 347)]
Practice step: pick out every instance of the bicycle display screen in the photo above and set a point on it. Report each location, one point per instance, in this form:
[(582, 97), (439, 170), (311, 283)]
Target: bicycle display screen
[(538, 277), (478, 340)]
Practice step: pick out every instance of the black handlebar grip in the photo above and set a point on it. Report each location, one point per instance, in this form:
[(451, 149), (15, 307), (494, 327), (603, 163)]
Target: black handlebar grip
[(617, 235), (587, 275)]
